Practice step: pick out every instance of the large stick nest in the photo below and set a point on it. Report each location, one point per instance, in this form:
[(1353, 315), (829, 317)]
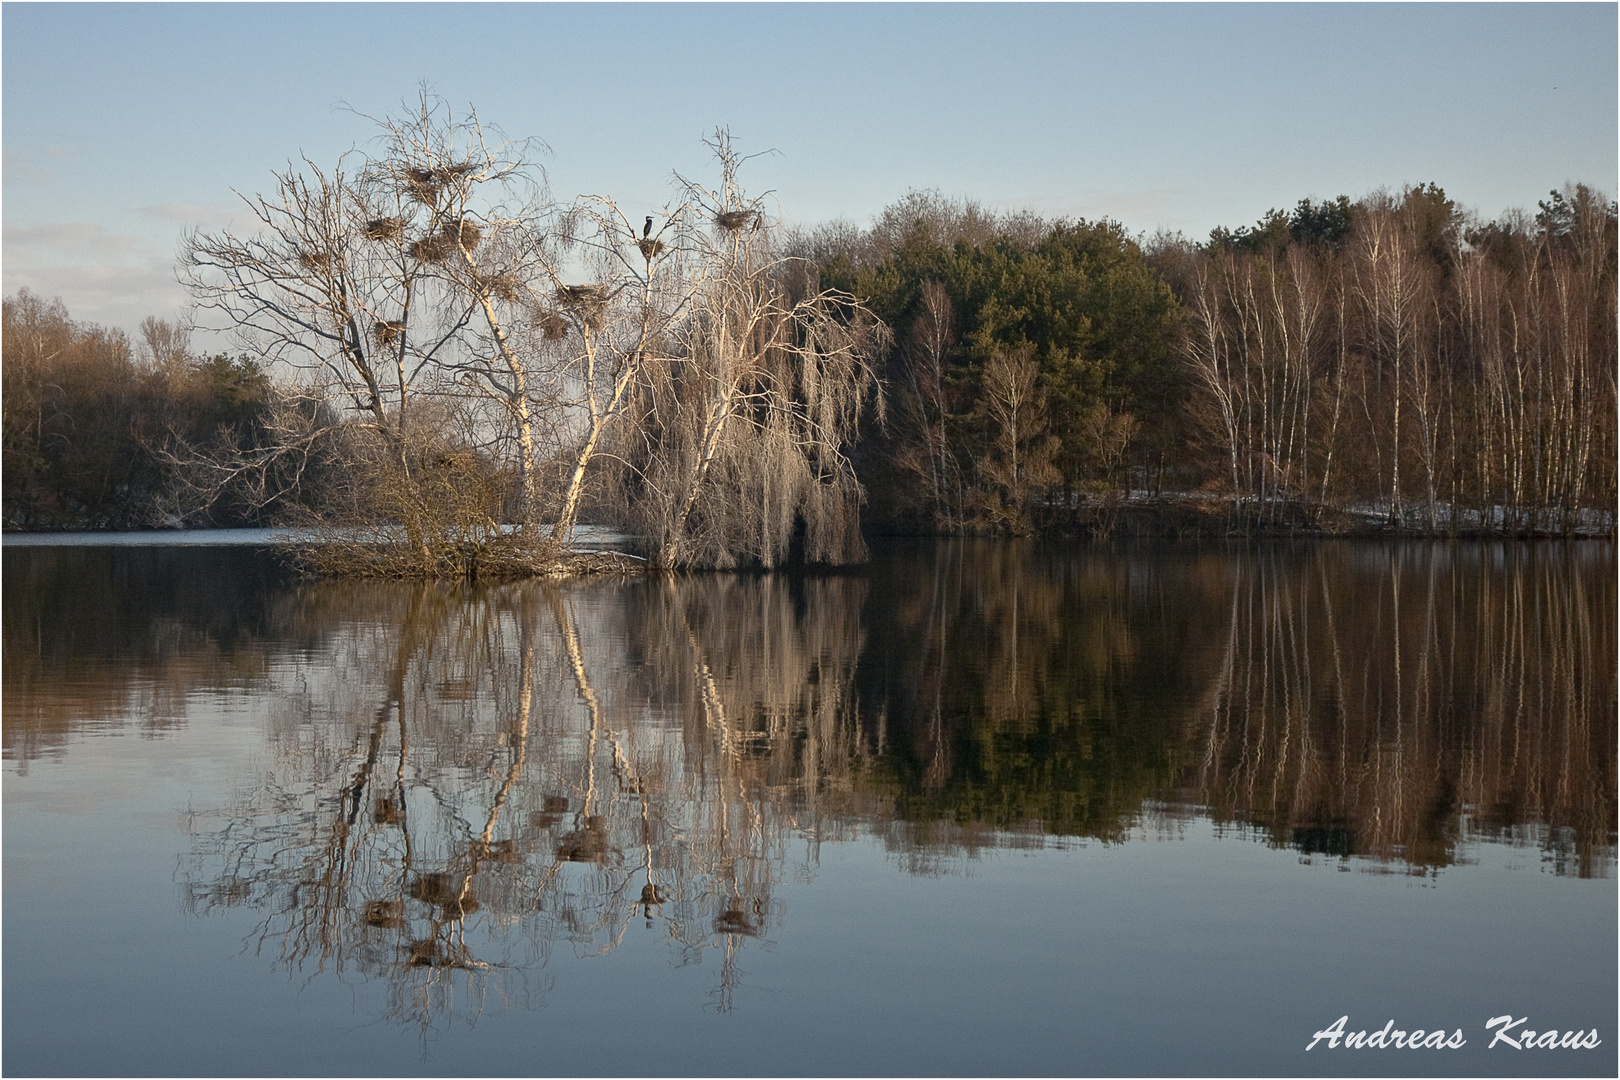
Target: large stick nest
[(443, 892), (422, 185), (551, 324), (732, 220), (387, 332), (589, 302), (385, 913), (385, 228), (506, 286), (315, 260), (650, 247), (589, 844), (583, 295), (464, 232), (434, 248)]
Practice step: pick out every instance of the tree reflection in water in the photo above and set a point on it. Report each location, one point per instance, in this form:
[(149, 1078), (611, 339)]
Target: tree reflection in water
[(538, 763), (459, 779), (1435, 694), (1389, 702)]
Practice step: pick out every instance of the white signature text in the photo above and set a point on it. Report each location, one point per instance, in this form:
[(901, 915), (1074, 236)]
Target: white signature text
[(1506, 1029)]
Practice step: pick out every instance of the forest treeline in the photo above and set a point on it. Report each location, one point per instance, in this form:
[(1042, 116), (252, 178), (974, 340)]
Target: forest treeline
[(1394, 358), (90, 420), (434, 350)]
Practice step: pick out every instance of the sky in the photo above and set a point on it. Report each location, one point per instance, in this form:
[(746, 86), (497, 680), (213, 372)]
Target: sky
[(124, 125)]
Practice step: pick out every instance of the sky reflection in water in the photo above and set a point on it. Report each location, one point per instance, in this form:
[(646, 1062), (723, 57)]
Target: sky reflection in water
[(984, 808)]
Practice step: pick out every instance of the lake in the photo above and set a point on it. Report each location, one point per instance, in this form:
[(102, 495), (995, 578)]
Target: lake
[(977, 808)]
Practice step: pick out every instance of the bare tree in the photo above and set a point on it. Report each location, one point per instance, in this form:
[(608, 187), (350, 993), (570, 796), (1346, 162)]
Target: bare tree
[(1392, 285), (427, 282), (741, 430), (921, 424), (1021, 443), (408, 276), (619, 325), (1207, 344), (468, 210), (308, 290), (166, 345)]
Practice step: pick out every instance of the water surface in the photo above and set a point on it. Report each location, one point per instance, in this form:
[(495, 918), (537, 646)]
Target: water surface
[(980, 808)]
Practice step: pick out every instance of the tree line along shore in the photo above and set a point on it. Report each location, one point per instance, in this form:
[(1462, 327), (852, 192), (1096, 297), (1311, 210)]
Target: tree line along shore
[(440, 369)]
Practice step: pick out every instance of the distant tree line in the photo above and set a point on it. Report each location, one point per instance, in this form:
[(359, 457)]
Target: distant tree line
[(445, 370), (91, 421), (1392, 356), (1454, 374), (1034, 362)]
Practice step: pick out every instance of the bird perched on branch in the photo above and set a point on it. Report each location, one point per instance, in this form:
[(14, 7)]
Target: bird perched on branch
[(646, 230)]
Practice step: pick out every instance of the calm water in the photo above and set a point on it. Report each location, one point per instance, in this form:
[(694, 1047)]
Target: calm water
[(981, 808)]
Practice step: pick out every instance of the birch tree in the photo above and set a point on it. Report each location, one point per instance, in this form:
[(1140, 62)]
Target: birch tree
[(921, 424), (741, 432), (619, 326), (1020, 439), (1392, 285), (400, 277), (470, 210)]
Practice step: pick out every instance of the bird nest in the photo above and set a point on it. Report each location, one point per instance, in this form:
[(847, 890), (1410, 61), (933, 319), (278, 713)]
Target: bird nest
[(463, 232), (425, 184), (315, 260), (435, 248), (422, 184), (732, 220), (385, 228), (583, 294), (650, 247), (503, 286), (554, 807), (387, 332), (553, 325), (443, 892), (389, 914), (590, 301), (589, 844), (735, 921)]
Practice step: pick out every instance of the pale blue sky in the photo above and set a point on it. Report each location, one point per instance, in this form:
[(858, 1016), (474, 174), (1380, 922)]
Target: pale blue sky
[(125, 123)]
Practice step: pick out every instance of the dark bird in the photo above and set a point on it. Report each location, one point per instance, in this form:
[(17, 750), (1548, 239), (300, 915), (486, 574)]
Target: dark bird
[(646, 230)]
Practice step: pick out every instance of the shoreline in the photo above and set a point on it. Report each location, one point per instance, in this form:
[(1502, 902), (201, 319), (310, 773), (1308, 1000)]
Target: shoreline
[(1196, 517), (1166, 518)]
